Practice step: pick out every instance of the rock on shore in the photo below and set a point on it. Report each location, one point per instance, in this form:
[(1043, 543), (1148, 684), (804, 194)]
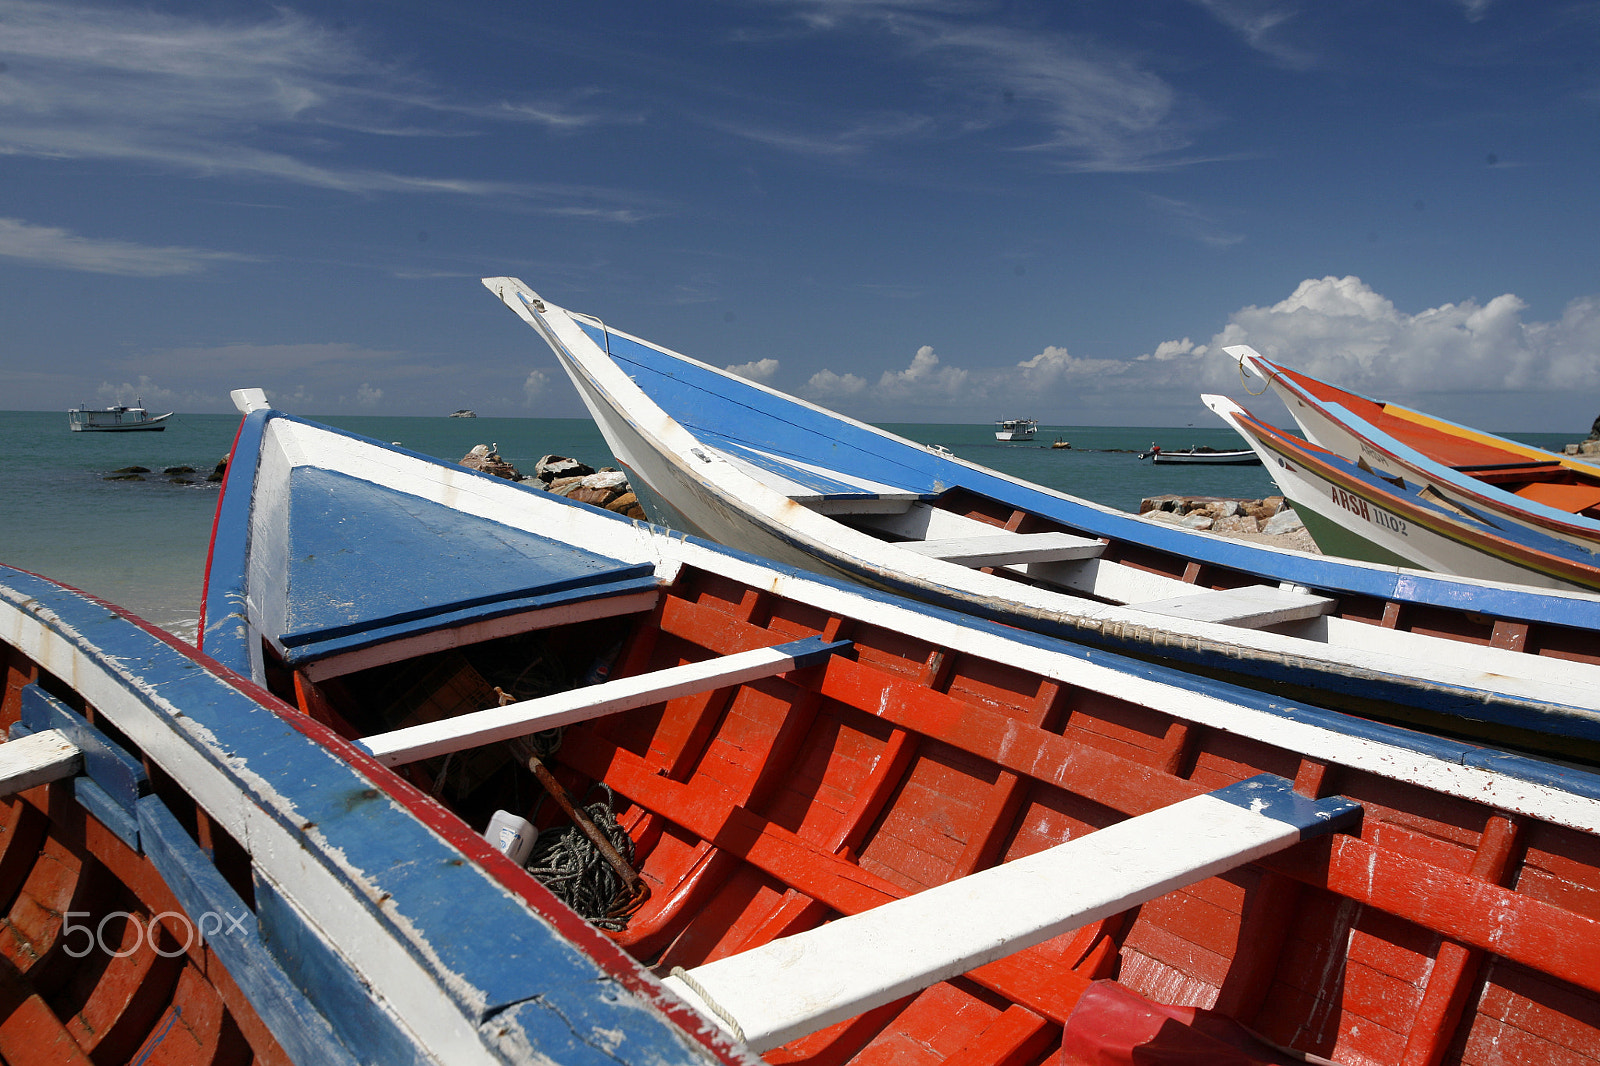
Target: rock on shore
[(1267, 521), (607, 487)]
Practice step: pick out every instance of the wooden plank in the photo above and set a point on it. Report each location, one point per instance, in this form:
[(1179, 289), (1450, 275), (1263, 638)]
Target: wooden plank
[(802, 983), (1005, 549), (37, 759), (579, 705), (118, 773), (1251, 606), (293, 1019)]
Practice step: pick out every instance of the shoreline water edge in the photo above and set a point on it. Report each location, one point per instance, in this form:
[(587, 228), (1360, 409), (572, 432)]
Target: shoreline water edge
[(140, 541)]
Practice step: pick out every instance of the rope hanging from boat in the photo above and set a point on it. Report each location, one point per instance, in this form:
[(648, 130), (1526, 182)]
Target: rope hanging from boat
[(1245, 382)]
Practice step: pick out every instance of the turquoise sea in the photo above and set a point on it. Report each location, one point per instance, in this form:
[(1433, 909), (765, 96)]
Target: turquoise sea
[(142, 544)]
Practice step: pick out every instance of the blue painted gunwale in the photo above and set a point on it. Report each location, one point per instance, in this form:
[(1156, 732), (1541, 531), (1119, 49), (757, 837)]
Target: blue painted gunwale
[(724, 408), (526, 973), (1576, 781)]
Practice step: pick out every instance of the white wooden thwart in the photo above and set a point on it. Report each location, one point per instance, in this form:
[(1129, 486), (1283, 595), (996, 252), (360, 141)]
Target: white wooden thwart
[(1005, 549), (37, 759), (800, 984), (581, 704), (1251, 606)]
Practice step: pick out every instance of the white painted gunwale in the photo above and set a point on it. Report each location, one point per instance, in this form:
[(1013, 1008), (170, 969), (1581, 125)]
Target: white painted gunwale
[(411, 995), (618, 404)]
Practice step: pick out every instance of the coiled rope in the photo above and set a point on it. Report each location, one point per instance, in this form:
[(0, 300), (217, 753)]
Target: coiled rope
[(573, 868)]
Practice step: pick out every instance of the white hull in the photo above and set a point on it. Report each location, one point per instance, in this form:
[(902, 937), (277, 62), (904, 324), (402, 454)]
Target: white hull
[(727, 499), (1325, 430), (1384, 531)]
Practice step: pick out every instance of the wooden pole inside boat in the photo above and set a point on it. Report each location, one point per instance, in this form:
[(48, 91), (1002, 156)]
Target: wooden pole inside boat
[(638, 891)]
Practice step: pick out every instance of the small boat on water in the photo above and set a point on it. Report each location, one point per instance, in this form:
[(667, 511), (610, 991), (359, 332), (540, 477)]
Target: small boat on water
[(1016, 429), (1201, 455), (192, 871), (855, 829), (115, 419), (1353, 511), (711, 453), (1495, 479)]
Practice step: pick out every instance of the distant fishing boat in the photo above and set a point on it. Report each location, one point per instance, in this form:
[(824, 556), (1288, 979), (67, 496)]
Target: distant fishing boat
[(850, 828), (1203, 456), (114, 419), (1016, 429)]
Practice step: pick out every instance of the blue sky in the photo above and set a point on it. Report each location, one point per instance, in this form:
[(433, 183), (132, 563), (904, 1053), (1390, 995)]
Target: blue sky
[(909, 210)]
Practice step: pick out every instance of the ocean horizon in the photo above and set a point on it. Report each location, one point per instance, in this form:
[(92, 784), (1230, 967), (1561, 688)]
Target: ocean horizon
[(141, 543)]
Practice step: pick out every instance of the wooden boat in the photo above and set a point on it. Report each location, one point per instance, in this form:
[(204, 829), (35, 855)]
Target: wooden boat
[(873, 831), (1354, 511), (1016, 429), (193, 872), (710, 453), (1498, 480), (115, 419), (1203, 456)]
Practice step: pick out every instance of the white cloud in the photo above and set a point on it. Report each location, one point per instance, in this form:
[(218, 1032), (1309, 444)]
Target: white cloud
[(825, 384), (49, 246), (367, 396), (1484, 363), (534, 385), (1054, 366), (1082, 101), (154, 396), (1258, 22), (242, 98), (762, 370)]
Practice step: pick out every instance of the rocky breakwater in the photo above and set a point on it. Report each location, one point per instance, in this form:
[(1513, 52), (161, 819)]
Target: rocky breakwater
[(1267, 521), (606, 487)]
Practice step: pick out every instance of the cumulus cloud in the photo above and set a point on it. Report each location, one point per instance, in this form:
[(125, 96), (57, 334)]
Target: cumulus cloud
[(367, 396), (49, 246), (762, 370), (534, 385), (825, 384), (1343, 330), (1055, 366), (1482, 363), (1485, 361)]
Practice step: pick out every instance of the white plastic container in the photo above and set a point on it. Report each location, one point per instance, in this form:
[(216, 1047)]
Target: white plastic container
[(511, 834)]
